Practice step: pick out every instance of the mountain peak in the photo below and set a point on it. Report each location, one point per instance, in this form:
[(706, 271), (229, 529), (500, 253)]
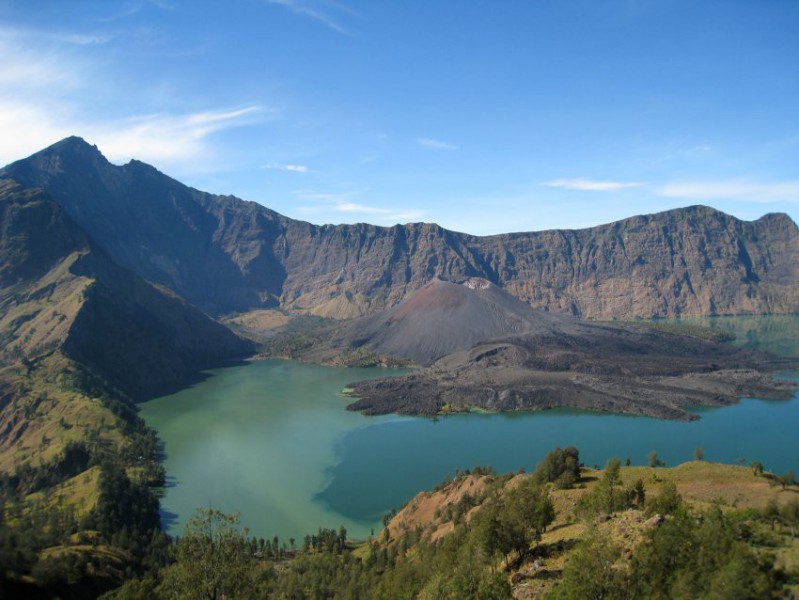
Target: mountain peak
[(73, 145), (70, 154)]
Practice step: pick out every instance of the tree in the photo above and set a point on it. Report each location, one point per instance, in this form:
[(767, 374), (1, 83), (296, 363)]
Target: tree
[(757, 467), (638, 492), (590, 571), (699, 454), (700, 556), (654, 461), (511, 522), (666, 502), (688, 556), (608, 497), (213, 560), (786, 479), (561, 467), (611, 479)]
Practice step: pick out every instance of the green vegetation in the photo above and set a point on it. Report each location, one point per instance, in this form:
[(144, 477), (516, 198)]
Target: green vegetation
[(609, 495), (77, 512), (654, 461), (516, 531), (560, 467), (687, 328), (299, 334), (786, 479), (692, 555), (213, 560), (46, 547)]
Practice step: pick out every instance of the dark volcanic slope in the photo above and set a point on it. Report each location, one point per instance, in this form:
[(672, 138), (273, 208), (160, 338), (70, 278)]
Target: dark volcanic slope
[(227, 255), (444, 317), (60, 293), (498, 354)]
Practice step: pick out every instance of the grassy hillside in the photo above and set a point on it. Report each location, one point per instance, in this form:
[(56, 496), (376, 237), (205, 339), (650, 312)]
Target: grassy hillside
[(82, 339), (699, 530)]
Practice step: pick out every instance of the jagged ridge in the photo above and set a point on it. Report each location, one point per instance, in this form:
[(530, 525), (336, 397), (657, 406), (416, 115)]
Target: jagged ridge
[(227, 255)]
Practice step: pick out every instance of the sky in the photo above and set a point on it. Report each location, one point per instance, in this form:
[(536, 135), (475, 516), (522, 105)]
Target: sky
[(485, 116)]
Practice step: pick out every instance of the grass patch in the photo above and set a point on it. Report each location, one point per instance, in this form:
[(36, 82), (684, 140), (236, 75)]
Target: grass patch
[(683, 328), (80, 492)]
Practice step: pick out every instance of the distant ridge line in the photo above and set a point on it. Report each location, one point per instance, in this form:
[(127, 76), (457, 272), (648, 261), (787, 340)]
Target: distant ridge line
[(227, 255)]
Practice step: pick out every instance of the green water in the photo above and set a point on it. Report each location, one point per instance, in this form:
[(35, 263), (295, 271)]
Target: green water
[(258, 439), (273, 441)]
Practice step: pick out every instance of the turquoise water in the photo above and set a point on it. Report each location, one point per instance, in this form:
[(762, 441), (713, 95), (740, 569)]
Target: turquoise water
[(272, 440), (258, 439)]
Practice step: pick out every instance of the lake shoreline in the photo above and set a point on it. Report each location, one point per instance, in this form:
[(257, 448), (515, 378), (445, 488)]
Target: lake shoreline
[(272, 440)]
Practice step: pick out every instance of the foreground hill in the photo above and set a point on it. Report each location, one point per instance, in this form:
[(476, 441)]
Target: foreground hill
[(591, 533), (699, 530), (225, 255)]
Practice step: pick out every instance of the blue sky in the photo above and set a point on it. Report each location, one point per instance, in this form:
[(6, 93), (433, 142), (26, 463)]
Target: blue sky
[(483, 116)]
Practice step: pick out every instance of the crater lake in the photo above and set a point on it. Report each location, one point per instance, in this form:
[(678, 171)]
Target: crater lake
[(273, 441)]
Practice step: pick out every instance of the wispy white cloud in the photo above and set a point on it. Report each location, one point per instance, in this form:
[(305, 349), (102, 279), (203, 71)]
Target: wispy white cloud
[(24, 129), (592, 185), (732, 189), (353, 207), (166, 138), (169, 140), (164, 4), (59, 36), (26, 68), (43, 98), (304, 8), (328, 204), (435, 144), (290, 168), (133, 7), (392, 215), (123, 11), (321, 196), (34, 85)]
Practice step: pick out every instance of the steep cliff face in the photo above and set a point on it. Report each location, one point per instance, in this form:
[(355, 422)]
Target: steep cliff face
[(692, 261), (227, 255), (60, 293), (377, 266)]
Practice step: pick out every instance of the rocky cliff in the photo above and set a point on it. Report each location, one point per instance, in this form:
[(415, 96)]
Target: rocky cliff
[(227, 255)]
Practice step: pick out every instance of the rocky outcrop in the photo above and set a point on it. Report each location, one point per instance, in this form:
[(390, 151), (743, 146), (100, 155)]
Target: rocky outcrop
[(227, 255), (483, 348)]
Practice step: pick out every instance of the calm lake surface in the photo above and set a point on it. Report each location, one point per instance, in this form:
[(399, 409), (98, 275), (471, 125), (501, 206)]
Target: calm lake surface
[(273, 441)]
